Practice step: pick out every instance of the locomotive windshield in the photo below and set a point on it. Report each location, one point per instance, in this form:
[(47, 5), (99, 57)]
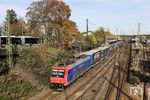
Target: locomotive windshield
[(58, 73)]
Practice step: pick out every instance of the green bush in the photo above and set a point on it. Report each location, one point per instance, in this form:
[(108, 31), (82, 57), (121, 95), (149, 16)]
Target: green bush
[(41, 58), (11, 88), (4, 68), (133, 80)]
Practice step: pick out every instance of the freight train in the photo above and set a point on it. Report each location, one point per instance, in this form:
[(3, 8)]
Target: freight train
[(62, 76)]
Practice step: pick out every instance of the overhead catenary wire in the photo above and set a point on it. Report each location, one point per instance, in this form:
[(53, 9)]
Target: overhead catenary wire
[(96, 26), (91, 24)]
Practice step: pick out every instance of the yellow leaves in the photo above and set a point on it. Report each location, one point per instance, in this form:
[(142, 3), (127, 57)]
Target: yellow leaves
[(92, 39)]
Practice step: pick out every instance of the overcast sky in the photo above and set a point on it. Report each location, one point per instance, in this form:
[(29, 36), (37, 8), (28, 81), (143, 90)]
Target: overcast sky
[(121, 14)]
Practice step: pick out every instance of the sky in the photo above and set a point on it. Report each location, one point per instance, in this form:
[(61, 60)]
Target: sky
[(120, 15)]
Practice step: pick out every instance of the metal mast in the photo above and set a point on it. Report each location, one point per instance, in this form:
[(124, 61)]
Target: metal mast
[(139, 30), (87, 26), (9, 45)]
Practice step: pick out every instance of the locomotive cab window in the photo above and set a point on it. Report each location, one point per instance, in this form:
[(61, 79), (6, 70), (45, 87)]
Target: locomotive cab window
[(58, 73)]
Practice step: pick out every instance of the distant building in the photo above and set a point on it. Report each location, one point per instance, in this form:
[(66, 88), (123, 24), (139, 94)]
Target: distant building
[(89, 32)]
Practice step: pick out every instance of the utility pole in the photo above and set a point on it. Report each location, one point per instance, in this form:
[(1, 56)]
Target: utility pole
[(22, 29), (139, 29), (87, 26), (107, 37), (9, 48), (117, 33)]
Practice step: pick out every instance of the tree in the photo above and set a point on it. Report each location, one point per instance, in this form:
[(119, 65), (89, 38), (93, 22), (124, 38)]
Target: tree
[(51, 17), (72, 34), (92, 40), (1, 30), (12, 21), (101, 35), (20, 27), (16, 25)]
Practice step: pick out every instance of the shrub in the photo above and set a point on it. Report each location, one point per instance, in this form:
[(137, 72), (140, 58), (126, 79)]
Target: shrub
[(133, 80), (3, 69), (11, 88), (41, 58)]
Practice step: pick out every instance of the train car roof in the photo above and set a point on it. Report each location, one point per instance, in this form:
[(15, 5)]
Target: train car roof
[(90, 52), (79, 61), (7, 36), (106, 46), (95, 50), (19, 36), (27, 37), (73, 62)]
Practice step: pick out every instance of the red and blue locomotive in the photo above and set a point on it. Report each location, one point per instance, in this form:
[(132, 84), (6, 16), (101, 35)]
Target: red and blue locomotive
[(62, 76)]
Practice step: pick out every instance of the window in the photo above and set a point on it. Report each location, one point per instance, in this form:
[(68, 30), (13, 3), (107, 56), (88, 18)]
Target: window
[(58, 73)]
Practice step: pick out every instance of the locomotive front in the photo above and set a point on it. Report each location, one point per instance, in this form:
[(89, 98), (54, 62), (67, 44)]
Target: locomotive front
[(58, 78)]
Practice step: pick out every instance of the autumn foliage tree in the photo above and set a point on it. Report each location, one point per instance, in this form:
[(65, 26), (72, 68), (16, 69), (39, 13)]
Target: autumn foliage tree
[(51, 17)]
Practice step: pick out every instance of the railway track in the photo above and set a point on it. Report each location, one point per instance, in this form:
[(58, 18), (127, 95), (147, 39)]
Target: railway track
[(112, 82), (117, 79), (122, 79), (146, 64), (112, 79), (144, 88), (91, 83), (54, 95)]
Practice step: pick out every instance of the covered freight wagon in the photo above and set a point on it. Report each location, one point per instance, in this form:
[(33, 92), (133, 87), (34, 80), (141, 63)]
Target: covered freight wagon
[(94, 54), (105, 51)]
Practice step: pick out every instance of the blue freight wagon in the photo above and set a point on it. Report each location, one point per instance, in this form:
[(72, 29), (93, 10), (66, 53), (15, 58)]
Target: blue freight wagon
[(78, 68)]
